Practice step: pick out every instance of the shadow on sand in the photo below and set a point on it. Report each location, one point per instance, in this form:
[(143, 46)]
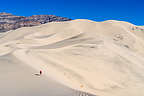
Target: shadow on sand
[(80, 93), (37, 74)]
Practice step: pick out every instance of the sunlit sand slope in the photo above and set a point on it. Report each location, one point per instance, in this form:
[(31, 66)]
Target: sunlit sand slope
[(104, 58)]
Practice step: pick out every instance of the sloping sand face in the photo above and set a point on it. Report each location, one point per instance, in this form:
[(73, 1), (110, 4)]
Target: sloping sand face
[(103, 58), (18, 79)]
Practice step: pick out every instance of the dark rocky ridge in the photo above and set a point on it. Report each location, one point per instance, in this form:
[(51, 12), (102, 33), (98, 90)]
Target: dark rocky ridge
[(12, 22)]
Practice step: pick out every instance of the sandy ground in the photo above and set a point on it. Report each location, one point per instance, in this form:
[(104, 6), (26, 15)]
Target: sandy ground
[(18, 79), (102, 58)]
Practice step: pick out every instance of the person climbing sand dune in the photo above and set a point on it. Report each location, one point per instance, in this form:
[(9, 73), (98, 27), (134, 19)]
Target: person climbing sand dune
[(40, 72)]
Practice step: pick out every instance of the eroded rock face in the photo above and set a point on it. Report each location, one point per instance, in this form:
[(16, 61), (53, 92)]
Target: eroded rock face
[(12, 22)]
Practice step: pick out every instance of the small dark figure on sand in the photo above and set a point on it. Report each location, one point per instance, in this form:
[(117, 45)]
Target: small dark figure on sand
[(40, 72)]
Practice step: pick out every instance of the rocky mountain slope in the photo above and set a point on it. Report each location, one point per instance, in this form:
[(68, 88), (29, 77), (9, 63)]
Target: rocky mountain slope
[(11, 22)]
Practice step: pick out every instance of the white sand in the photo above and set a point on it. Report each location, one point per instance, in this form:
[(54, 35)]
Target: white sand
[(103, 58), (18, 79)]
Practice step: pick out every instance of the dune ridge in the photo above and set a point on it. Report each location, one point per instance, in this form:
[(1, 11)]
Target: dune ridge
[(103, 58)]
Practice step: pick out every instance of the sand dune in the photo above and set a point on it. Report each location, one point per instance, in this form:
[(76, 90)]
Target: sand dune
[(17, 79), (103, 58)]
